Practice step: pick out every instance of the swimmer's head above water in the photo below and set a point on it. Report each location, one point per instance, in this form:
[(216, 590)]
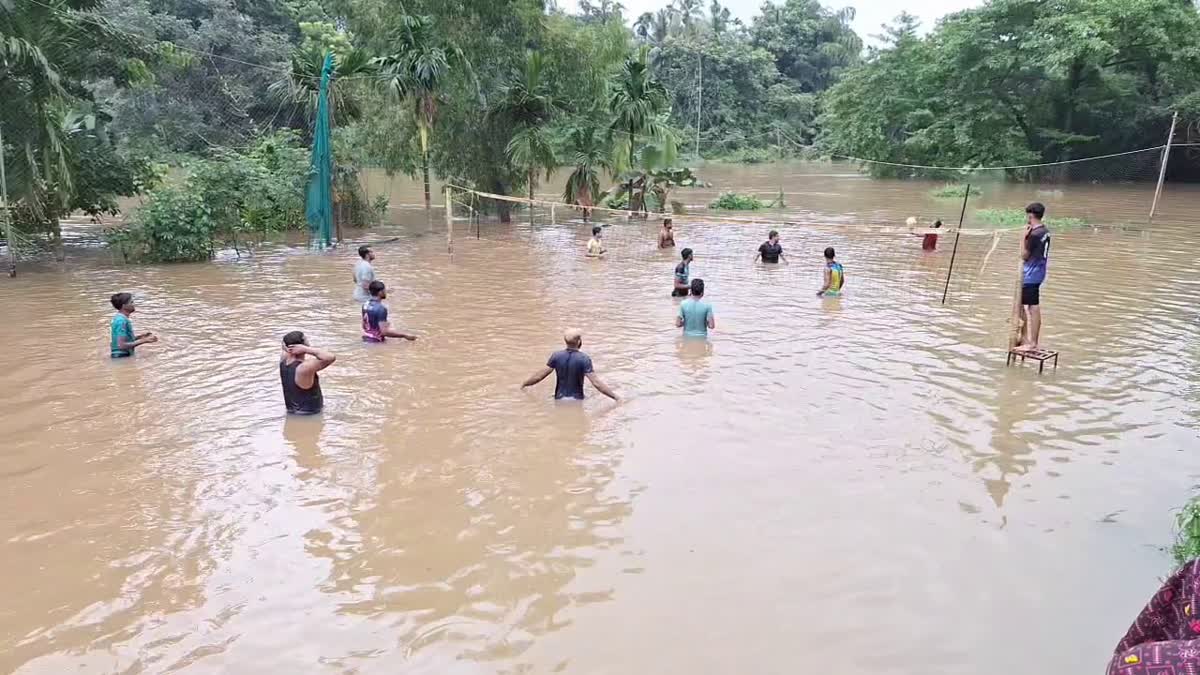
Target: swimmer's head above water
[(573, 338)]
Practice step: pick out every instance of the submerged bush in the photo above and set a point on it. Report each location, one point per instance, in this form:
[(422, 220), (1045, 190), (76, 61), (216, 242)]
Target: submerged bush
[(1015, 218), (175, 225), (952, 191), (731, 201)]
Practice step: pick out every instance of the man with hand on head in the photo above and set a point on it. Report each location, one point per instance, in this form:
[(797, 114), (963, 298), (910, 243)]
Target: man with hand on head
[(375, 325), (570, 367), (298, 374)]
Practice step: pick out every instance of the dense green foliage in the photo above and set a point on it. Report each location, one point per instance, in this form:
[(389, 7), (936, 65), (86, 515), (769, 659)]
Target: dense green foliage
[(495, 94), (1187, 533), (1019, 81)]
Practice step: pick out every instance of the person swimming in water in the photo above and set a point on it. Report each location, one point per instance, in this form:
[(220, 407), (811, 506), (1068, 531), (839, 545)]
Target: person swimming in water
[(835, 277), (681, 274), (666, 236), (929, 242)]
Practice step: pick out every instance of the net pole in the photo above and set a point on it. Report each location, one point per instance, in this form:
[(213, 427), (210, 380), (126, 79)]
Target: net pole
[(1162, 172), (1018, 323), (699, 106), (954, 253), (8, 225), (449, 222)]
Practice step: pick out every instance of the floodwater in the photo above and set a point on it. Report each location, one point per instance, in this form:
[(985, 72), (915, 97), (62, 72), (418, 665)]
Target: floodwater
[(847, 486)]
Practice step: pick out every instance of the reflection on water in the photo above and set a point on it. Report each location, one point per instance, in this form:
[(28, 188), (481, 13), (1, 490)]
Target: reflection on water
[(849, 481)]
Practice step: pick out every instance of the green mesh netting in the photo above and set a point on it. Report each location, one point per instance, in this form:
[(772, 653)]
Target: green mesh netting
[(319, 206)]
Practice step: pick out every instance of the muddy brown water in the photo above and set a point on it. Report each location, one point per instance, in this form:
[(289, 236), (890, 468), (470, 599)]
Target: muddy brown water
[(852, 486)]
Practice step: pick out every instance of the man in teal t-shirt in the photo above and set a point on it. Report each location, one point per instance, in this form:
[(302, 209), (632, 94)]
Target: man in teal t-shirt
[(122, 340), (695, 314)]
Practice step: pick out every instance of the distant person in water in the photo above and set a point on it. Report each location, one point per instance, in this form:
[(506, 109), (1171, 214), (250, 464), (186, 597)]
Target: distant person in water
[(771, 251), (122, 340), (682, 271), (298, 374), (835, 277), (570, 367), (666, 236), (695, 315), (364, 274), (595, 247), (929, 243), (1035, 251), (375, 325)]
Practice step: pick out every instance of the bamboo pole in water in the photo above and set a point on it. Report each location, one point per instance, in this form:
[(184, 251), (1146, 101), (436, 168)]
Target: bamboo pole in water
[(8, 225), (1162, 172), (1018, 320), (953, 254), (449, 222)]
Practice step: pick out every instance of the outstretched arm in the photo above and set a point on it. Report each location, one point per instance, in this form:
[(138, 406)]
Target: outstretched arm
[(386, 329), (601, 387), (538, 376), (144, 339)]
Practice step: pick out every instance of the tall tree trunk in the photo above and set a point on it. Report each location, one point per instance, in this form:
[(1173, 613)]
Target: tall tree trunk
[(532, 177), (631, 137)]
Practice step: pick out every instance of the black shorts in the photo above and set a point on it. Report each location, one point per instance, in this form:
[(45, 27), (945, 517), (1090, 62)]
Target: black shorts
[(679, 293), (1031, 295)]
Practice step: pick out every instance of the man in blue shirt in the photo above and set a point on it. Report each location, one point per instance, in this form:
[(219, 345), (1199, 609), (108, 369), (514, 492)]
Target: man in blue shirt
[(681, 274), (695, 314), (375, 326), (570, 367), (122, 341), (1035, 252)]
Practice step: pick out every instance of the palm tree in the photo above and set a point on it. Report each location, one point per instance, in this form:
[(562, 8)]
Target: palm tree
[(416, 72), (590, 154), (637, 104), (690, 11), (718, 17), (301, 86), (527, 104), (660, 28), (47, 50), (643, 26)]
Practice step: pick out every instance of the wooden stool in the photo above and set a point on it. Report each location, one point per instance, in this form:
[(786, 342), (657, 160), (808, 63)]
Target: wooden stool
[(1039, 355)]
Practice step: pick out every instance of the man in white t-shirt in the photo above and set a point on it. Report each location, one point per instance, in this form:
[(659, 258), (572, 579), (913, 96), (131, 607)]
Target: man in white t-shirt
[(364, 274)]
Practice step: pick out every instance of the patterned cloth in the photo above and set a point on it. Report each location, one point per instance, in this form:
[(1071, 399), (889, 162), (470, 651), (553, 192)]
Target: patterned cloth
[(1165, 638)]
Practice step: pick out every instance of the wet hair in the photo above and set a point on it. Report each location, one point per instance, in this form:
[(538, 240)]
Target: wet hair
[(937, 223), (829, 253), (1037, 209), (363, 251), (686, 253), (772, 234), (667, 221), (119, 300), (375, 288), (596, 230), (295, 337), (697, 287)]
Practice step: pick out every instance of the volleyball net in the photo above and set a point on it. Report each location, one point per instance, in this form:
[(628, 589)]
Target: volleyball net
[(884, 261)]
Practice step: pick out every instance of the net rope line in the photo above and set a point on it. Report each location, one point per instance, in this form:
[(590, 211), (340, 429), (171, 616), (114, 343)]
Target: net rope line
[(876, 229), (1002, 168)]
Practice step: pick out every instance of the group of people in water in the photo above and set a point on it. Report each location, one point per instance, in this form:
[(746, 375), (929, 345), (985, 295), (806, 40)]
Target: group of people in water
[(300, 363)]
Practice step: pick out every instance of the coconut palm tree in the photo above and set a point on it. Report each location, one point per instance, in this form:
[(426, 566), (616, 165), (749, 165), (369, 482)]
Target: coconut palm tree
[(638, 104), (691, 12), (590, 154), (301, 87), (416, 72), (527, 105), (718, 17)]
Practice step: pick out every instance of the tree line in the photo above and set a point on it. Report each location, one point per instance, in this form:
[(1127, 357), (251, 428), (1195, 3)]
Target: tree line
[(107, 98)]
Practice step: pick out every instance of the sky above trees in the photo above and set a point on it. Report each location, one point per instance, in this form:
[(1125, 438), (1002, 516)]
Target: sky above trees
[(870, 13)]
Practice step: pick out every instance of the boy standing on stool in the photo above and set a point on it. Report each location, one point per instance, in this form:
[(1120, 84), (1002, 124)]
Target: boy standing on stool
[(1035, 252)]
